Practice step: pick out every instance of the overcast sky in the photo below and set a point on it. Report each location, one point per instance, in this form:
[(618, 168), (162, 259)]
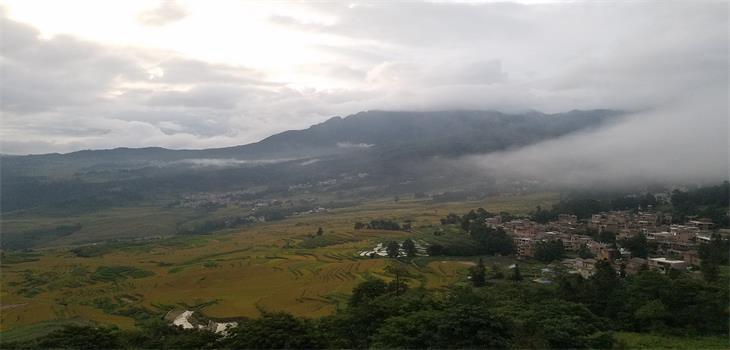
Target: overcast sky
[(199, 74)]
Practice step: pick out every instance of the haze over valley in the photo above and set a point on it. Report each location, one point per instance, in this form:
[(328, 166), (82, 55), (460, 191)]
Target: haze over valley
[(182, 174)]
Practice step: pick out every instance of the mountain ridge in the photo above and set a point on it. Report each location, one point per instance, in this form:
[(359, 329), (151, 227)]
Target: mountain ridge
[(401, 152), (337, 123)]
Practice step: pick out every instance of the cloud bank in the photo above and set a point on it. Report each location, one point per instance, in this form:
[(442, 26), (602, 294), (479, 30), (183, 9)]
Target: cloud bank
[(667, 62), (681, 143)]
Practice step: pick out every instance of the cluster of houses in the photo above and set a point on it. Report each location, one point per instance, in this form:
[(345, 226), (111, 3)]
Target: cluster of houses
[(675, 246), (187, 320)]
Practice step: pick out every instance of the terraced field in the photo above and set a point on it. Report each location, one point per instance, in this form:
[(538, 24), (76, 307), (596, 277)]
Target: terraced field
[(272, 266)]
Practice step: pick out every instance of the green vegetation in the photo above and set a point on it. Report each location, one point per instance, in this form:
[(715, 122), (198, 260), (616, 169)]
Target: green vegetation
[(17, 257), (27, 334), (482, 238), (118, 273), (631, 340), (705, 202), (478, 274), (275, 272), (379, 224), (637, 245), (714, 254), (409, 247), (500, 314), (27, 239), (393, 249), (548, 251)]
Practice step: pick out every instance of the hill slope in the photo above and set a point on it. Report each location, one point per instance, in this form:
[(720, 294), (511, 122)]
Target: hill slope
[(394, 148)]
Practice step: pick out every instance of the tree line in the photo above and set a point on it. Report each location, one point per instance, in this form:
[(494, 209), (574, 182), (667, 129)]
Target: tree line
[(486, 239), (705, 202), (382, 224)]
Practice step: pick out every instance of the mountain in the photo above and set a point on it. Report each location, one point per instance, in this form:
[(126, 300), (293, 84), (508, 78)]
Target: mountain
[(427, 133), (393, 148)]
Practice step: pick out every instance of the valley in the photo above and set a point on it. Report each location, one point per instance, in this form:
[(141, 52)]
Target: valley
[(276, 266)]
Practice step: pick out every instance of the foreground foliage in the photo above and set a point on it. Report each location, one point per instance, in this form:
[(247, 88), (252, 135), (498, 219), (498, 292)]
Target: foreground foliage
[(575, 313)]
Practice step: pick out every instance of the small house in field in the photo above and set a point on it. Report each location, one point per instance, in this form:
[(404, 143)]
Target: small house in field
[(664, 265)]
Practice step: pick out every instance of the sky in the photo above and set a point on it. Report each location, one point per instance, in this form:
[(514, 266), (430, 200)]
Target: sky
[(199, 74)]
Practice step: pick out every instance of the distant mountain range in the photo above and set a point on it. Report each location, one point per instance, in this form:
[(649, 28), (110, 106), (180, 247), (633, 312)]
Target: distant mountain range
[(391, 147)]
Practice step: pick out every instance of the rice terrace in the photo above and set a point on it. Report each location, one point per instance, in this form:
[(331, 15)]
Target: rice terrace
[(233, 274), (491, 174)]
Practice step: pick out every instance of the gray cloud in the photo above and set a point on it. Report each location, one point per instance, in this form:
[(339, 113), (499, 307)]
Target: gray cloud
[(39, 75), (681, 142), (668, 62)]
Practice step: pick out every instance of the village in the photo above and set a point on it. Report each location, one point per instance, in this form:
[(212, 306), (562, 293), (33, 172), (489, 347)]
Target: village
[(672, 246)]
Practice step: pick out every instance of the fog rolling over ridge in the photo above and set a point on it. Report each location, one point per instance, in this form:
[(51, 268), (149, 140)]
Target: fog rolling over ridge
[(114, 88), (684, 142)]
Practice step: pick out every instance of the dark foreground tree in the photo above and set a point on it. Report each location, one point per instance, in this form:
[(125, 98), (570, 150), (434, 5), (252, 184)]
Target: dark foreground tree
[(409, 247), (637, 245), (275, 331), (516, 274), (368, 290), (393, 249), (713, 254), (80, 337), (478, 274), (549, 250)]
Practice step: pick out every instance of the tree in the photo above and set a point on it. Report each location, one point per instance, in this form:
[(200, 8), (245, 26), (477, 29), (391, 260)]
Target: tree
[(651, 316), (605, 276), (506, 216), (409, 247), (637, 245), (398, 285), (368, 290), (320, 231), (603, 285), (410, 331), (278, 330), (80, 337), (562, 324), (478, 274), (497, 272), (543, 216), (383, 224), (710, 270), (516, 274), (471, 326), (490, 240), (467, 220), (450, 219), (548, 251), (156, 333), (393, 249), (713, 254), (435, 250), (584, 252)]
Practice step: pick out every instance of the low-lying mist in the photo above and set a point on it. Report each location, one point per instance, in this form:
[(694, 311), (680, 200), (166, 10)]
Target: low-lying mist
[(685, 142)]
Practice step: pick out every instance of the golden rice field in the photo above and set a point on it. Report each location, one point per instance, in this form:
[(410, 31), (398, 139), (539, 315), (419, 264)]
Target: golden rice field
[(235, 274)]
